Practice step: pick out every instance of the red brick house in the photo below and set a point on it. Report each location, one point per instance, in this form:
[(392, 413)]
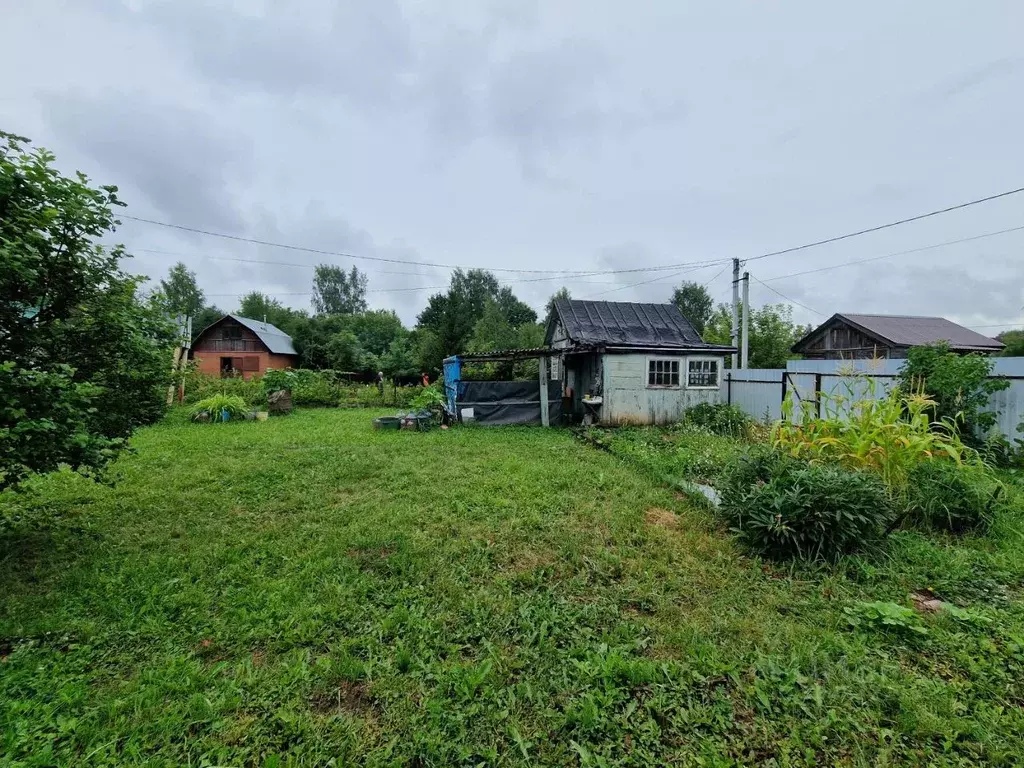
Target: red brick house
[(241, 346)]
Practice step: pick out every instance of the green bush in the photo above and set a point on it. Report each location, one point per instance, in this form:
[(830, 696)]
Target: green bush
[(955, 497), (200, 386), (314, 390), (214, 408), (783, 507), (959, 387), (719, 418), (275, 380)]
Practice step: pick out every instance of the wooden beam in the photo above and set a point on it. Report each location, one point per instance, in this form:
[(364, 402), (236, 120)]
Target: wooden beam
[(542, 367)]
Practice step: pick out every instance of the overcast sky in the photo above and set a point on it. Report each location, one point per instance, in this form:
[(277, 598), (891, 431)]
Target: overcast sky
[(582, 136)]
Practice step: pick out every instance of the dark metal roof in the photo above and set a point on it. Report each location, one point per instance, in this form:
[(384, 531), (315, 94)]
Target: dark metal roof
[(913, 331), (627, 324), (276, 340)]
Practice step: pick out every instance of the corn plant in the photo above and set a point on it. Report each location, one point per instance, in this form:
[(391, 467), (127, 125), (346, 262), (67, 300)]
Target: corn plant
[(889, 435)]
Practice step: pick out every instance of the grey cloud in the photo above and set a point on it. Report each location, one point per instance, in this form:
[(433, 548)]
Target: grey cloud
[(503, 133), (177, 158), (943, 290), (496, 80), (353, 49), (397, 286)]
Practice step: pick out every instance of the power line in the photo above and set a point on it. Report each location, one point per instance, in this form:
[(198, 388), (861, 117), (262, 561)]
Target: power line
[(646, 282), (666, 267), (890, 224), (566, 275), (794, 301), (346, 255), (897, 253)]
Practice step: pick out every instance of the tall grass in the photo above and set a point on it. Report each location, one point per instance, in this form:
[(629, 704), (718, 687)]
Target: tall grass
[(889, 435)]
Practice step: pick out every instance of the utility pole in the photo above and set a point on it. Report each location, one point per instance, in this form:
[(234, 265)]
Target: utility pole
[(745, 348), (735, 308)]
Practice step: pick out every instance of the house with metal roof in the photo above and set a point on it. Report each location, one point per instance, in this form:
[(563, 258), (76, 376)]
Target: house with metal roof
[(608, 362), (846, 336), (631, 363), (242, 346)]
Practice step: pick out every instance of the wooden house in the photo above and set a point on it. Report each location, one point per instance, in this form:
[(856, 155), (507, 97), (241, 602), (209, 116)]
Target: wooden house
[(851, 337), (628, 363), (241, 346)]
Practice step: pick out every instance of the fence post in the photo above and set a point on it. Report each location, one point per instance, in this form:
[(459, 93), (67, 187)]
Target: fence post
[(783, 382), (817, 394), (728, 388)]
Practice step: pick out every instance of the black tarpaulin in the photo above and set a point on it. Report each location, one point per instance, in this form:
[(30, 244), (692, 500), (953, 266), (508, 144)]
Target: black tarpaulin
[(508, 402)]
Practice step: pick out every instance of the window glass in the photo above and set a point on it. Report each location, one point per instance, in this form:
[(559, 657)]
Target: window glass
[(702, 373), (662, 373)]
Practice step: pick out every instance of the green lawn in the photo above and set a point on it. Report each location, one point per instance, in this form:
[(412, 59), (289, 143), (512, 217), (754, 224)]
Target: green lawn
[(306, 591)]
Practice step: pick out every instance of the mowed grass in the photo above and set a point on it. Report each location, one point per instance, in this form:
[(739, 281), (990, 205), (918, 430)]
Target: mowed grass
[(306, 591)]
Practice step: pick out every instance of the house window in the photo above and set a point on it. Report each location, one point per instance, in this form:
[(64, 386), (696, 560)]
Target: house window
[(662, 373), (702, 373), (250, 364), (231, 332)]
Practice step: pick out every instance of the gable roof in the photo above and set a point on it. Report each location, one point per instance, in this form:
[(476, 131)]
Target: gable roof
[(913, 331), (627, 324), (277, 341)]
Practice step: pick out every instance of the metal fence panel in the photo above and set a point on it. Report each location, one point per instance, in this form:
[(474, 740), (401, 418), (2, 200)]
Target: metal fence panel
[(758, 392)]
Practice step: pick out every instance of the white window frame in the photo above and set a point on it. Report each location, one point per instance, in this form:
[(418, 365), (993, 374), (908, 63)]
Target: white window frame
[(679, 361), (718, 372)]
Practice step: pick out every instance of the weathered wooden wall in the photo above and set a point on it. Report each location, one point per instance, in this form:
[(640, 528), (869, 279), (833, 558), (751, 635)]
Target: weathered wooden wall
[(844, 342), (628, 399)]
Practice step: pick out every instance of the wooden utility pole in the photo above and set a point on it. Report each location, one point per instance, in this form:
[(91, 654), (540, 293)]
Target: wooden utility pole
[(180, 360)]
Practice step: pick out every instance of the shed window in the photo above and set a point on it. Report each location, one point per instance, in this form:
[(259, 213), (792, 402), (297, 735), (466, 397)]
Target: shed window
[(702, 373), (662, 373)]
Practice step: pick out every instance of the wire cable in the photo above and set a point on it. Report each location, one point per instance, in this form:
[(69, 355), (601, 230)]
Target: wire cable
[(667, 267), (794, 301), (880, 227), (897, 253)]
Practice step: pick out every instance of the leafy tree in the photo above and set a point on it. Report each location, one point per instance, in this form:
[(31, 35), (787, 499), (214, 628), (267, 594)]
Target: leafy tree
[(549, 308), (452, 317), (337, 292), (311, 336), (492, 332), (180, 294), (960, 385), (695, 303), (204, 318), (82, 360), (772, 333), (377, 330), (1014, 341), (518, 313), (258, 305)]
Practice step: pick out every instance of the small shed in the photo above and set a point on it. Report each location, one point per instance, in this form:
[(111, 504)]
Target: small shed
[(854, 336), (241, 346), (631, 363)]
